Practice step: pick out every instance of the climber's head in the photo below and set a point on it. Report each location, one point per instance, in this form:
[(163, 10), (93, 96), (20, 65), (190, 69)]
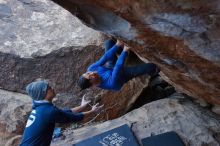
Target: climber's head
[(89, 79)]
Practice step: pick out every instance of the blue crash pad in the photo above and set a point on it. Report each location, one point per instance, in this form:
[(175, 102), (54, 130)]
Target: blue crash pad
[(165, 139), (121, 136)]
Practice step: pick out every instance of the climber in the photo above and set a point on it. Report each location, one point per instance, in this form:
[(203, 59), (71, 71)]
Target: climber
[(109, 71), (41, 122)]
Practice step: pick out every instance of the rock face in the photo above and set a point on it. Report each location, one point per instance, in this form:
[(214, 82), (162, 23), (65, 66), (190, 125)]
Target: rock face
[(195, 125), (61, 67), (118, 103), (181, 37), (28, 27), (14, 108)]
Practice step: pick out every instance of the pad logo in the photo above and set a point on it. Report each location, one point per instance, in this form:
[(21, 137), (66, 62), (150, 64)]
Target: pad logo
[(113, 140)]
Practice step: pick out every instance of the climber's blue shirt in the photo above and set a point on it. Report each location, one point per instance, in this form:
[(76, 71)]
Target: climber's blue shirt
[(112, 78), (41, 123)]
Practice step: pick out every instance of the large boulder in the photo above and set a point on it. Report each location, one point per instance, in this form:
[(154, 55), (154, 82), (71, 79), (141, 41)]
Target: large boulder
[(197, 126), (35, 42), (29, 27), (181, 37), (14, 110)]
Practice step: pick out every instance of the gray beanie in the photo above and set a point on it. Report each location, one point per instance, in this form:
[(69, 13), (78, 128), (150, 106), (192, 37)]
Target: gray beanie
[(37, 90)]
